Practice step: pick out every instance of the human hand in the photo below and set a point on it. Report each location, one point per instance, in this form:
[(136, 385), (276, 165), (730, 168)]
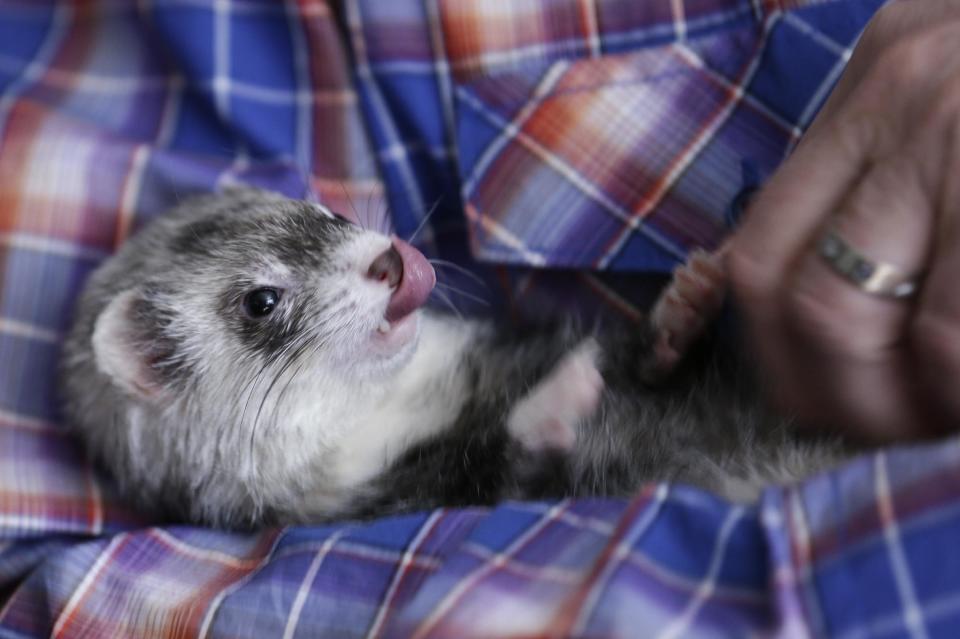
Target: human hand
[(881, 167)]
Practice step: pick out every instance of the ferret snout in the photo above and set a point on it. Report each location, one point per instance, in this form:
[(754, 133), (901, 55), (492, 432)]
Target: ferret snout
[(387, 267)]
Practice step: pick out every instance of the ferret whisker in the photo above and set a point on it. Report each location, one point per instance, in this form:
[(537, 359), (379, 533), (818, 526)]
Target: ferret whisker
[(280, 355), (380, 216), (423, 222), (386, 224), (356, 214), (254, 381), (303, 343), (465, 271), (443, 296), (293, 376), (371, 223), (462, 293), (366, 209)]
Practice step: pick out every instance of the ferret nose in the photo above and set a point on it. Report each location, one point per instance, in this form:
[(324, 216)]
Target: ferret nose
[(387, 267)]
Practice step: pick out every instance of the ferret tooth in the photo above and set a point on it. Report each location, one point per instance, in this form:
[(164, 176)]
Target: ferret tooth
[(384, 326)]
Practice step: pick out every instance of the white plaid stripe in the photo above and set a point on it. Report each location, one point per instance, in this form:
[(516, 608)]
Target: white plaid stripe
[(217, 601), (131, 192), (681, 582), (843, 57), (86, 583), (573, 520), (530, 256), (912, 615), (708, 585), (748, 98), (27, 422), (171, 111), (803, 544), (509, 131), (406, 560), (52, 246), (294, 617), (623, 549), (96, 500), (187, 549), (221, 58), (588, 8), (352, 549), (792, 624), (28, 331), (519, 568), (469, 580), (679, 20), (892, 624)]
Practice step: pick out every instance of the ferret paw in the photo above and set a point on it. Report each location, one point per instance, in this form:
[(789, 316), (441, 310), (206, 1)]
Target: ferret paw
[(547, 417), (691, 300)]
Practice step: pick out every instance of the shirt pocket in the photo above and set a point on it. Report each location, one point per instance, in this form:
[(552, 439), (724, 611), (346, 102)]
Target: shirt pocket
[(626, 161)]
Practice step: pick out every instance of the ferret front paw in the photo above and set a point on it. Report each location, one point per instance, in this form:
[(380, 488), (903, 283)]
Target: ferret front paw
[(547, 417), (691, 301)]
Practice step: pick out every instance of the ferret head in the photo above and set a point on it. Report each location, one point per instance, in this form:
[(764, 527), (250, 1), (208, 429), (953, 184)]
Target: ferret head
[(225, 334)]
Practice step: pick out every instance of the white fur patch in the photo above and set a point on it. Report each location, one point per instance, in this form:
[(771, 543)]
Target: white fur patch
[(422, 397), (548, 416)]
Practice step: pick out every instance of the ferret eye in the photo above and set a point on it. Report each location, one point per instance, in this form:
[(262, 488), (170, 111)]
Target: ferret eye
[(261, 302)]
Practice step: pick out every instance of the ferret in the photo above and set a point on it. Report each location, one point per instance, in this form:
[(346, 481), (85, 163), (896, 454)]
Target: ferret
[(249, 359)]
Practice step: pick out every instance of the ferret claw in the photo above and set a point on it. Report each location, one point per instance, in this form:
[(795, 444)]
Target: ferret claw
[(691, 300)]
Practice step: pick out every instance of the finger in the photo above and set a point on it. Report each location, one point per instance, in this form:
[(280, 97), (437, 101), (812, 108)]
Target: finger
[(888, 218), (935, 334), (855, 338), (781, 222), (822, 342), (859, 129), (805, 190), (892, 216)]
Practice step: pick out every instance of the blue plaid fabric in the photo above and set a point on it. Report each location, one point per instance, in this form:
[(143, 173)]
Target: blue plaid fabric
[(609, 137)]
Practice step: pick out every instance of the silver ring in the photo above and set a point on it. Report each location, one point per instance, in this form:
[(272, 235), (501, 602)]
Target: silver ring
[(876, 278)]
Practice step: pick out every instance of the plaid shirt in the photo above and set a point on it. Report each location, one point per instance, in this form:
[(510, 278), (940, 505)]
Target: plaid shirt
[(607, 136)]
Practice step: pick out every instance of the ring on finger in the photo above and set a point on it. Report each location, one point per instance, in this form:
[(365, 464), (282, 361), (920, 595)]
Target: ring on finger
[(876, 278)]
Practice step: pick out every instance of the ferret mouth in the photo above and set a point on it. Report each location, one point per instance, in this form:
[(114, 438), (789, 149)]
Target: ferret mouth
[(386, 327), (391, 339), (416, 280)]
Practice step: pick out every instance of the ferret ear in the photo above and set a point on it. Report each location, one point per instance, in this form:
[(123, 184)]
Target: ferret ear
[(117, 352)]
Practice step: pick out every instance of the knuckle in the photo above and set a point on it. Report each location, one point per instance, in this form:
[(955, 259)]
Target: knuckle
[(893, 185), (860, 132), (907, 61)]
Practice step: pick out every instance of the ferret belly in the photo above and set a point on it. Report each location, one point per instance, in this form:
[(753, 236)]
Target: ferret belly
[(707, 428)]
